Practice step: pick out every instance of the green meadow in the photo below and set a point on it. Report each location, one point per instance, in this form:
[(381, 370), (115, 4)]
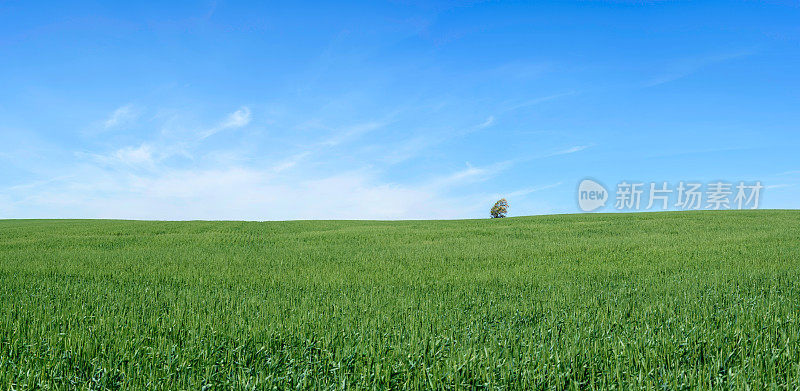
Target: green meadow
[(675, 300)]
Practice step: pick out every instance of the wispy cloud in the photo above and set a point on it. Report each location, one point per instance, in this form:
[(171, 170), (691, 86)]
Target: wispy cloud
[(121, 116), (413, 146), (175, 175), (340, 136), (290, 162), (141, 156), (237, 119), (352, 132), (485, 124), (684, 67), (470, 174), (409, 148), (40, 183), (536, 101), (569, 150), (521, 70), (523, 192), (566, 151), (235, 193)]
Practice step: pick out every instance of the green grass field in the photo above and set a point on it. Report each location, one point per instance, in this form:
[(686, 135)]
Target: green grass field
[(659, 300)]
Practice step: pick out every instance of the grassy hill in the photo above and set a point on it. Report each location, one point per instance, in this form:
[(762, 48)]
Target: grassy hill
[(675, 300)]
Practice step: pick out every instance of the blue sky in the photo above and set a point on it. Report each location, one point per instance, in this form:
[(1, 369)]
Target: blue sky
[(262, 111)]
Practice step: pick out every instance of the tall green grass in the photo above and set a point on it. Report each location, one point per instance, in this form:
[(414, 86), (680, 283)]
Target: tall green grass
[(666, 300)]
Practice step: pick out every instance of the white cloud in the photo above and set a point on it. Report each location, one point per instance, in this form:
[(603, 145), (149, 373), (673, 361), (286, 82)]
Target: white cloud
[(237, 119), (523, 192), (567, 151), (520, 70), (345, 135), (485, 124), (114, 185), (352, 132), (408, 149), (135, 183), (117, 188), (537, 101), (290, 162), (175, 176), (684, 67), (574, 149), (141, 156), (470, 174), (121, 116), (234, 193)]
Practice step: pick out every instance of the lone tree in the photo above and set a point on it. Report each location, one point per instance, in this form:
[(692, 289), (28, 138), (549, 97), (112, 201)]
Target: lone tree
[(500, 209)]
